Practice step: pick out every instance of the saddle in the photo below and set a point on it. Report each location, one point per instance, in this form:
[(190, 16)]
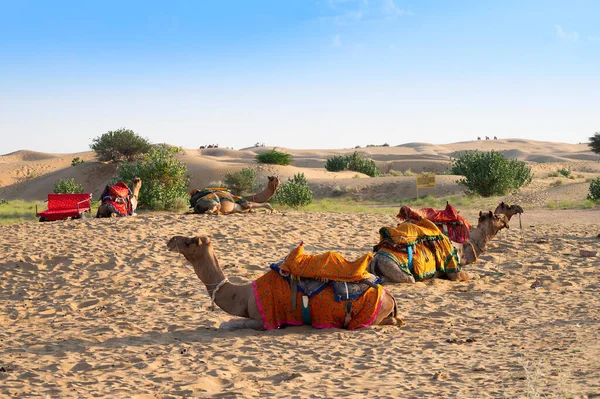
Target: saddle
[(118, 197), (419, 249), (330, 274), (448, 220), (214, 194)]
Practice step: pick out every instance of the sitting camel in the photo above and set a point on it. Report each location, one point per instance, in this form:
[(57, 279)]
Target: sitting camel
[(223, 202), (118, 201), (241, 300), (488, 226)]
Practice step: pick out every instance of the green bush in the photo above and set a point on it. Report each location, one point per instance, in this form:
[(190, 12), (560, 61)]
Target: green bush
[(242, 182), (67, 186), (490, 173), (594, 194), (564, 172), (294, 193), (120, 145), (164, 178), (274, 157), (594, 143), (76, 161), (354, 162), (336, 164)]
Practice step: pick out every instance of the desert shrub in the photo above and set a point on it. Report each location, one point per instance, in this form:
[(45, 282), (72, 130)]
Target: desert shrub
[(354, 162), (164, 178), (556, 183), (242, 182), (338, 191), (336, 164), (67, 186), (594, 194), (360, 164), (120, 145), (490, 173), (275, 157), (295, 192), (76, 161), (385, 145), (594, 143), (565, 172)]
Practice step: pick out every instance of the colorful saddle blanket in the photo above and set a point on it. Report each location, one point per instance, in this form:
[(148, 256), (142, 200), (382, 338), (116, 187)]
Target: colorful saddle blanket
[(273, 296), (448, 220), (118, 197), (215, 194), (327, 266), (419, 249)]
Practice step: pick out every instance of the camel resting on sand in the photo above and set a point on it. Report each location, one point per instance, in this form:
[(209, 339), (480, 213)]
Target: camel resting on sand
[(489, 224), (239, 300), (223, 202), (106, 210)]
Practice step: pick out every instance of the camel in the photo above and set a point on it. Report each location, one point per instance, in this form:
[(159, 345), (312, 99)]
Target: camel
[(508, 210), (223, 202), (239, 300), (106, 210), (489, 224)]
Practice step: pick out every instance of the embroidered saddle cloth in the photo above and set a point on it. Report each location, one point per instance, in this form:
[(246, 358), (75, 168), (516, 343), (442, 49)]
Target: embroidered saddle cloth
[(419, 249), (273, 295), (118, 197), (326, 266), (448, 220)]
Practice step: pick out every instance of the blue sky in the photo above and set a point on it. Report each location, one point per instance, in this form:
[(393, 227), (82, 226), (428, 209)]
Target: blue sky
[(297, 73)]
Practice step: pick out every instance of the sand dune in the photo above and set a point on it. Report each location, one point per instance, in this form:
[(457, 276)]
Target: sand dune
[(31, 175)]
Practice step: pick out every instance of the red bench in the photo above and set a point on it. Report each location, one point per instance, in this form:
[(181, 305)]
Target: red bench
[(63, 206)]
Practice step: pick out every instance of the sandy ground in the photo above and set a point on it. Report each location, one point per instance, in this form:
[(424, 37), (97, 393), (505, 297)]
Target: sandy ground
[(99, 308)]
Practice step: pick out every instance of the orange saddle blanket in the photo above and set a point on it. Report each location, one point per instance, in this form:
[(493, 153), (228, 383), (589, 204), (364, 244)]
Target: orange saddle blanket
[(326, 266)]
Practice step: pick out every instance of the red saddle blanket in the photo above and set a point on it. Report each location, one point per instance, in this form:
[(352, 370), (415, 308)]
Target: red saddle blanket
[(118, 197), (448, 220)]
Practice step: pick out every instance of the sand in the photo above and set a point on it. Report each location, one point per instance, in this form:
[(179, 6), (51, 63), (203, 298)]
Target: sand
[(100, 308)]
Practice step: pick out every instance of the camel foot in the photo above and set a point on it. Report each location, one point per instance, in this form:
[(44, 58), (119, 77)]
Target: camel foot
[(239, 324), (392, 321), (401, 278), (113, 215), (459, 276)]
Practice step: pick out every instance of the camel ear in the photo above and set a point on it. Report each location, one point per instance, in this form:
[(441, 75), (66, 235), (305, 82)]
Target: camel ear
[(192, 242), (480, 213), (491, 213)]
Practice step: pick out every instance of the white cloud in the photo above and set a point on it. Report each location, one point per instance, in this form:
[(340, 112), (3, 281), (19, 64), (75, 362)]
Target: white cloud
[(566, 36), (594, 38), (391, 10)]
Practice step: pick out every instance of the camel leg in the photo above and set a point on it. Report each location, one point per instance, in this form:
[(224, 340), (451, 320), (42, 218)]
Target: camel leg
[(238, 324), (459, 276), (389, 271), (386, 313), (255, 205)]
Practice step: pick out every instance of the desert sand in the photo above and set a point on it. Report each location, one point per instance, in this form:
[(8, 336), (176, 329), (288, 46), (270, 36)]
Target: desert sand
[(100, 308)]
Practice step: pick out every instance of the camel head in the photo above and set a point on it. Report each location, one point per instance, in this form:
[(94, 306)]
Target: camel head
[(274, 182), (508, 210), (188, 245), (492, 222)]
